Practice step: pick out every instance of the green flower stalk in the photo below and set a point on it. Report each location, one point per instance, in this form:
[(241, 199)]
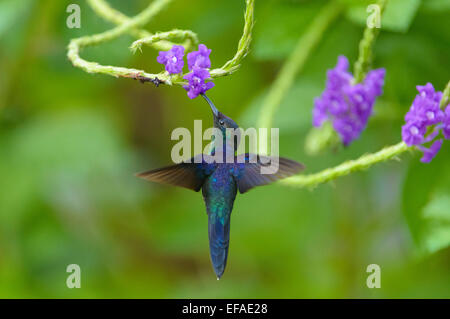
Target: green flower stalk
[(348, 98), (445, 96), (191, 37), (365, 48), (158, 41), (139, 20), (104, 10), (362, 163), (244, 42)]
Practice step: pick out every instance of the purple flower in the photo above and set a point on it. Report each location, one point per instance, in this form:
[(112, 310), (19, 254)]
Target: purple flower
[(413, 133), (172, 59), (348, 106), (375, 80), (339, 77), (197, 84), (198, 63), (347, 128), (430, 153), (319, 112), (424, 120), (425, 108), (200, 58), (428, 91)]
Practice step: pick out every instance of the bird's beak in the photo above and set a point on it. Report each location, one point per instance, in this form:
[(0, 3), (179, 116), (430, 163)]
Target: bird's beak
[(213, 108)]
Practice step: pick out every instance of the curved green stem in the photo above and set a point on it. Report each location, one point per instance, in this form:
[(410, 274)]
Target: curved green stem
[(104, 10), (157, 41), (169, 35), (244, 43), (347, 167), (295, 63), (75, 46)]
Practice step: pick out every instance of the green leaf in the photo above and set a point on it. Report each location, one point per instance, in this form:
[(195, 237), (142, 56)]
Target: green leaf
[(436, 215), (397, 17), (438, 237), (426, 203), (438, 208)]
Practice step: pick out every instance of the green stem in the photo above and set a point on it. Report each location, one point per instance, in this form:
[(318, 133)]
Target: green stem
[(169, 35), (244, 42), (365, 49), (104, 10), (132, 25), (347, 167), (141, 19), (295, 63), (445, 96)]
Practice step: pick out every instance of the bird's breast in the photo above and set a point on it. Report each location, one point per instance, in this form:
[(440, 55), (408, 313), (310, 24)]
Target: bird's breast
[(219, 191)]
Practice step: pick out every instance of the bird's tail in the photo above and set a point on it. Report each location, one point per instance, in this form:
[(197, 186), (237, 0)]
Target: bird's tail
[(219, 238)]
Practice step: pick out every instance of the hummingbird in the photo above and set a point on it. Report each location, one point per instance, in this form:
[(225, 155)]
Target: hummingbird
[(221, 180)]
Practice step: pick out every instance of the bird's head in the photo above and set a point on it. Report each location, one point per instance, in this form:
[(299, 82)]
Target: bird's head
[(223, 122)]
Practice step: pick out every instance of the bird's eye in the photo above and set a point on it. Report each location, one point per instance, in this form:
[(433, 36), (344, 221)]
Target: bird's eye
[(221, 122)]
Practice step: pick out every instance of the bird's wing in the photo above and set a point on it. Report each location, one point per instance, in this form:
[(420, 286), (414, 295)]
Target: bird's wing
[(248, 172), (190, 174)]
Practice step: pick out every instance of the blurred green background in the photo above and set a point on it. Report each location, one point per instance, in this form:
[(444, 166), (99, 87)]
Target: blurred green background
[(70, 143)]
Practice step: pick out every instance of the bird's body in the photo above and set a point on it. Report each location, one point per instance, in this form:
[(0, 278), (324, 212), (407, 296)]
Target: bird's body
[(219, 192), (220, 182)]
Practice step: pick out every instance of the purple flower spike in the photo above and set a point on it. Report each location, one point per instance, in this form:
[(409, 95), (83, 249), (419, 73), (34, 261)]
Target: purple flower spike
[(375, 81), (425, 108), (172, 59), (347, 128), (198, 63), (424, 121), (348, 106), (427, 91), (197, 84), (430, 153), (319, 112), (200, 58)]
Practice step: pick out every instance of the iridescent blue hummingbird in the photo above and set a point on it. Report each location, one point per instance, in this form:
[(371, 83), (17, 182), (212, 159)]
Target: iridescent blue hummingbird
[(220, 180)]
